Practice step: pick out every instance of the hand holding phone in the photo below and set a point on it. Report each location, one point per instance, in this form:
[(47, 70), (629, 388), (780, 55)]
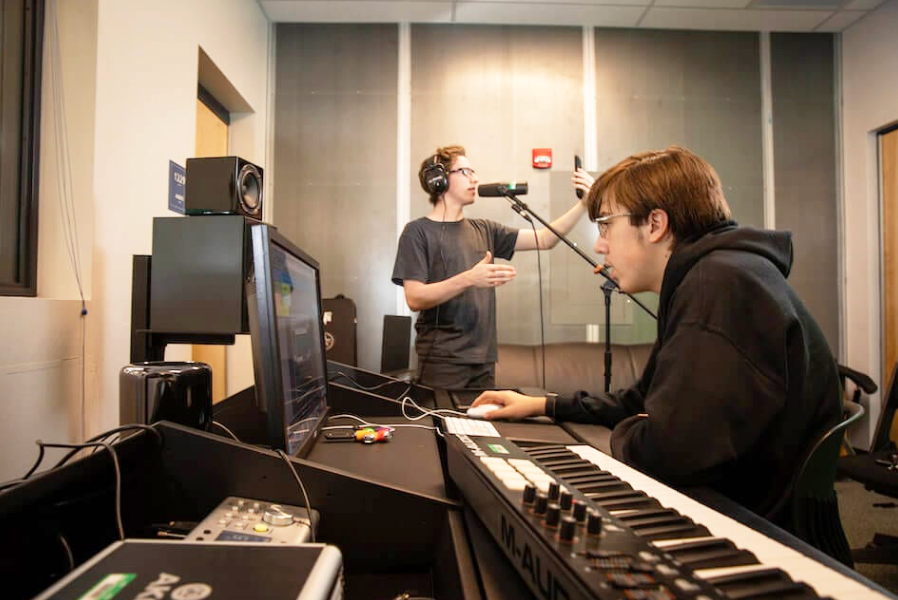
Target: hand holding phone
[(578, 164)]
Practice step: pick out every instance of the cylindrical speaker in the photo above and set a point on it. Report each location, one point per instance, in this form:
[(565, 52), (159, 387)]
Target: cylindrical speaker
[(180, 392)]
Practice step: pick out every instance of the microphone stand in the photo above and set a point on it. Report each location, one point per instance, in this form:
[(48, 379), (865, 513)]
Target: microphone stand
[(522, 209)]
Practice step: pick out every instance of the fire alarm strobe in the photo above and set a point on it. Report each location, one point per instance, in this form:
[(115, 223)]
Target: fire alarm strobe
[(542, 158)]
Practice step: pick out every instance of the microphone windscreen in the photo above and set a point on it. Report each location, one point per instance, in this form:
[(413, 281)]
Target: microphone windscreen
[(498, 190)]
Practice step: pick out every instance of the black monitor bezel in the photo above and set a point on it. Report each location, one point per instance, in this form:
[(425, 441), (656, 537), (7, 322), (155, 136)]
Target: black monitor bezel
[(263, 334)]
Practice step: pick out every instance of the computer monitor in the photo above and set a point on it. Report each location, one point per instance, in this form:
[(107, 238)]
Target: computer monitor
[(289, 362)]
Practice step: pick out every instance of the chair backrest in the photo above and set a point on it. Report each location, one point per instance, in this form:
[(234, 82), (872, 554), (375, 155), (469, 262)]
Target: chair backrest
[(881, 437), (397, 335), (814, 506)]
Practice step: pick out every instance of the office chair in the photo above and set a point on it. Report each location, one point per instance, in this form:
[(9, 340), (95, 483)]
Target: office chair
[(878, 471), (861, 382), (814, 507)]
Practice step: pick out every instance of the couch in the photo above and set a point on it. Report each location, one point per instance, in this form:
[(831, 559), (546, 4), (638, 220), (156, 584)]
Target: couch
[(570, 366)]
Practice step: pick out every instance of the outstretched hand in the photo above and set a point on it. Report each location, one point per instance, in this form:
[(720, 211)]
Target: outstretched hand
[(581, 180), (514, 405), (486, 275)]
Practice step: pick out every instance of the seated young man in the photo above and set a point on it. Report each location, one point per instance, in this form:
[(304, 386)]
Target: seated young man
[(741, 378)]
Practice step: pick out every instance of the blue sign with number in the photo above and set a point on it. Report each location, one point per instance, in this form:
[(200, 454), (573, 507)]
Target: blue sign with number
[(177, 184)]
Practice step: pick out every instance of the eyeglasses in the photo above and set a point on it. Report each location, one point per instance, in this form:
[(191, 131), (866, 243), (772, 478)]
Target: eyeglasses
[(466, 171), (604, 222)]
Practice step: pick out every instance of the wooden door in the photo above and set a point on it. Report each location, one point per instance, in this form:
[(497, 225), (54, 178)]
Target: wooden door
[(888, 152), (212, 140)]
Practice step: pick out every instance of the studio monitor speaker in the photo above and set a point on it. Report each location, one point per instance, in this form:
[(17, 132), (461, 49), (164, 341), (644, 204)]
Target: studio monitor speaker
[(223, 185)]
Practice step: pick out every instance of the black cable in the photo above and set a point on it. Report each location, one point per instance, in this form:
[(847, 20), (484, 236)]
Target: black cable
[(106, 434), (407, 389), (436, 326), (228, 431), (118, 475), (68, 551), (335, 374), (305, 495), (37, 463)]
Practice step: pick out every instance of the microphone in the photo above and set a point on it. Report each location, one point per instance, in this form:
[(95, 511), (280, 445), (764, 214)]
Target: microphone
[(499, 190)]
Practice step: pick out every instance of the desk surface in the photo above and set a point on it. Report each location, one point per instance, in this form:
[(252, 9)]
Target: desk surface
[(410, 460)]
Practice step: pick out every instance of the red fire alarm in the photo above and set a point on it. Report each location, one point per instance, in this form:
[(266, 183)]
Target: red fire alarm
[(542, 158)]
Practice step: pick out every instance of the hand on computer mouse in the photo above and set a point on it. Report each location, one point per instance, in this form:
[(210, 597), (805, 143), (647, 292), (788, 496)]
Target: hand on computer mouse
[(482, 410), (512, 405)]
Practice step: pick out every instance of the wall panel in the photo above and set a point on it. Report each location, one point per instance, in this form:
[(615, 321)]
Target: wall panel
[(802, 74), (335, 160)]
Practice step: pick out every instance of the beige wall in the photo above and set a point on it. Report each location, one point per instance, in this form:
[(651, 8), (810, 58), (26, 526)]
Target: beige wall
[(870, 102), (130, 72)]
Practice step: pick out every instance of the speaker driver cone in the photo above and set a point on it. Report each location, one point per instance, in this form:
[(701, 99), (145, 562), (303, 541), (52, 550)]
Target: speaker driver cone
[(249, 181)]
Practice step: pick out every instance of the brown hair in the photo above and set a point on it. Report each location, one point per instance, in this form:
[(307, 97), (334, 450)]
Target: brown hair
[(675, 180), (444, 156)]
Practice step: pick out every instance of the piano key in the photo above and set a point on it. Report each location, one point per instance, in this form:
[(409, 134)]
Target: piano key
[(826, 581), (706, 553)]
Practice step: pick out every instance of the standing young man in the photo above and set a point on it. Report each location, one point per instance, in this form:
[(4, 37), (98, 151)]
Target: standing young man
[(741, 378), (445, 265)]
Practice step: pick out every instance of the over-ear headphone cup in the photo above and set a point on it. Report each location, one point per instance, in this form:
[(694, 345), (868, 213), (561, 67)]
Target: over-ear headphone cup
[(435, 179)]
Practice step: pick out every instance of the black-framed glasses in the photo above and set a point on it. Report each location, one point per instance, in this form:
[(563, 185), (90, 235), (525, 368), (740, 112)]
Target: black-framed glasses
[(604, 222), (466, 171)]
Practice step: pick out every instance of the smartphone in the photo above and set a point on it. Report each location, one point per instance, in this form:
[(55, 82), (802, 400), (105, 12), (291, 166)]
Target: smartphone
[(578, 164)]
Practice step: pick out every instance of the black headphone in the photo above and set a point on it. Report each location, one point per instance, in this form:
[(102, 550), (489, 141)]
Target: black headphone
[(434, 177)]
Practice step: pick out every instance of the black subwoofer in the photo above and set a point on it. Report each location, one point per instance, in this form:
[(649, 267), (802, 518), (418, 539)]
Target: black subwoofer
[(223, 185)]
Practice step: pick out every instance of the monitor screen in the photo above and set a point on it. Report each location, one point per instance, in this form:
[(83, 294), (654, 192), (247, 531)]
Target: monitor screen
[(284, 305)]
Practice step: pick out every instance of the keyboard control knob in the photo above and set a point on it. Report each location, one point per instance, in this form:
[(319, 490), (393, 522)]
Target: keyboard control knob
[(554, 491), (553, 515), (529, 494), (594, 523), (276, 515), (539, 505), (566, 501), (579, 512), (568, 527)]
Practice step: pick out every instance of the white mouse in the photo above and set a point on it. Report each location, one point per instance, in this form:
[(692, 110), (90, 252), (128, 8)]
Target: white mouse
[(480, 411)]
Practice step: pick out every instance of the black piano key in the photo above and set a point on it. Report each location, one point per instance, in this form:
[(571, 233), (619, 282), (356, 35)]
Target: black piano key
[(603, 486), (710, 554), (762, 584), (586, 478), (564, 463), (672, 531), (637, 515), (550, 451), (625, 503)]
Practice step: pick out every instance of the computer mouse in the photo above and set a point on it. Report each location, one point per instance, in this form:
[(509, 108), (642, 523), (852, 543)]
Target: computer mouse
[(480, 411)]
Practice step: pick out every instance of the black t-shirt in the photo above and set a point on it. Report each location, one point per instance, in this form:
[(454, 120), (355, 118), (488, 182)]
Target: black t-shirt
[(462, 329)]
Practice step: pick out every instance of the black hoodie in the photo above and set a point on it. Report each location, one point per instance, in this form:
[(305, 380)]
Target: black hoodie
[(740, 380)]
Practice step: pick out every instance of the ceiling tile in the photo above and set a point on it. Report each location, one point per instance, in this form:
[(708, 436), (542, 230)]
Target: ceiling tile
[(799, 4), (704, 3), (734, 20), (357, 11), (609, 3), (841, 20), (863, 4), (547, 14)]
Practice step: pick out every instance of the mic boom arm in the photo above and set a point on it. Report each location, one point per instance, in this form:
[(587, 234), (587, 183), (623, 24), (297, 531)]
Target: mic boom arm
[(522, 209)]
